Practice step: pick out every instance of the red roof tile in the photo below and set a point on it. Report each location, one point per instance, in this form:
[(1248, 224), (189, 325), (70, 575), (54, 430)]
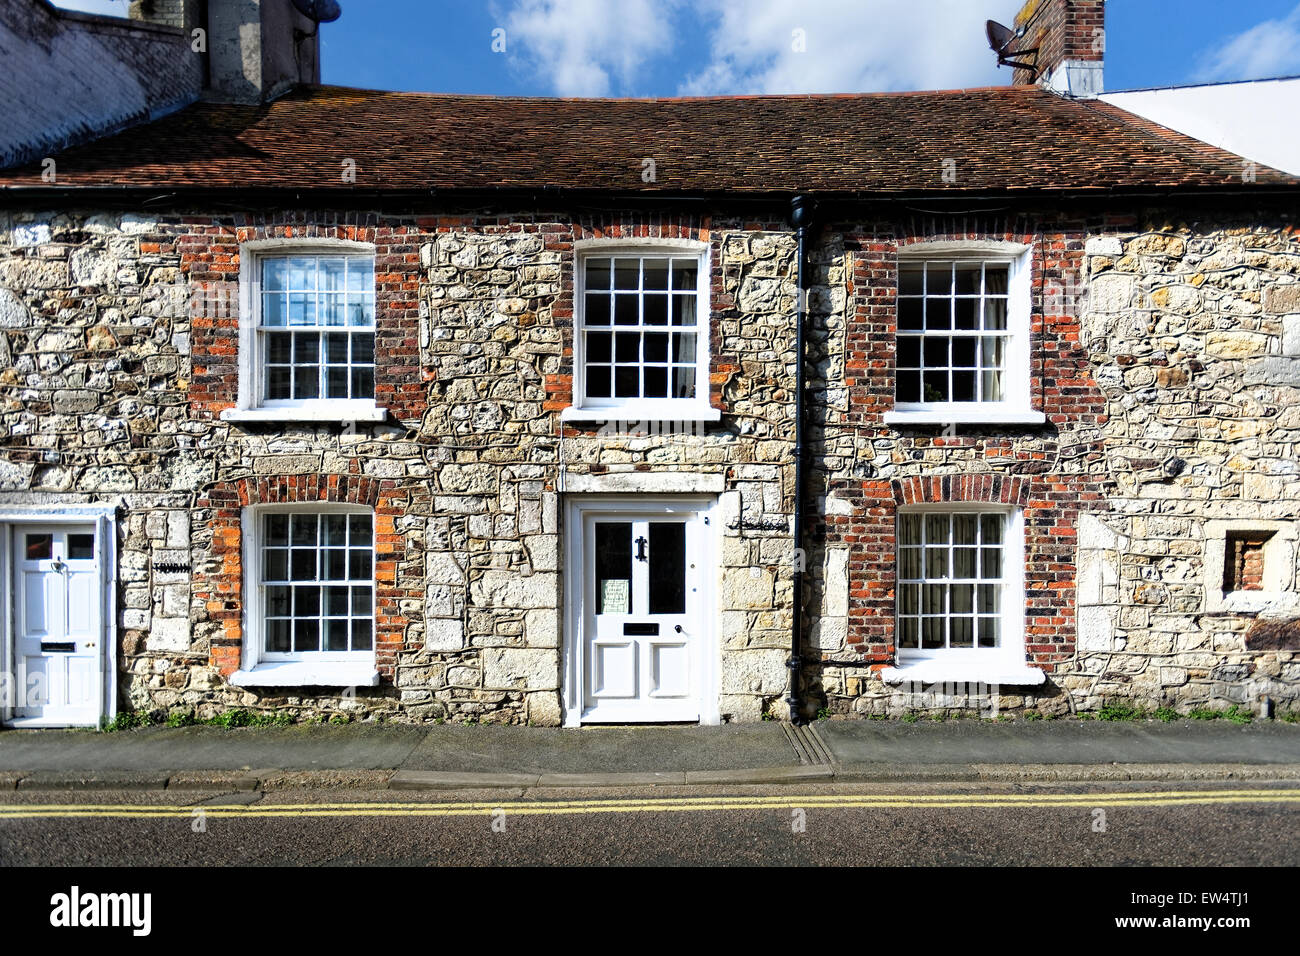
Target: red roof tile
[(1000, 139)]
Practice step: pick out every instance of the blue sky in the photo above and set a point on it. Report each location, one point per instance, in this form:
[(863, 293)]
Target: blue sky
[(681, 47)]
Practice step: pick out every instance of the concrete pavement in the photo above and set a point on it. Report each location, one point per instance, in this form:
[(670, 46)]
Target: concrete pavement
[(456, 756)]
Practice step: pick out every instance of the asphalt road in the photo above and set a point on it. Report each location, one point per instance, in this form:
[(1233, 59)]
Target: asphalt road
[(841, 824)]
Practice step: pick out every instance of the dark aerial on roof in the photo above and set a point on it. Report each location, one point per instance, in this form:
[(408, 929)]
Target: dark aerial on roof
[(1001, 140)]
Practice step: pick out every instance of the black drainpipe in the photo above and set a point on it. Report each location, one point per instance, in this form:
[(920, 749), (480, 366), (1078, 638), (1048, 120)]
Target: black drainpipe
[(801, 217)]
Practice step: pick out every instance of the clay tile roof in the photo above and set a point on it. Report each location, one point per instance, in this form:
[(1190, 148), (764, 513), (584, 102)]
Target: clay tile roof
[(1002, 139)]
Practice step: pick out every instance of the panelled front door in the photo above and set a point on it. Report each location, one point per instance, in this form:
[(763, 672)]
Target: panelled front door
[(56, 626), (642, 633)]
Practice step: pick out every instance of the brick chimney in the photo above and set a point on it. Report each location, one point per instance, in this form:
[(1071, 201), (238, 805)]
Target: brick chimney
[(256, 49), (1071, 41)]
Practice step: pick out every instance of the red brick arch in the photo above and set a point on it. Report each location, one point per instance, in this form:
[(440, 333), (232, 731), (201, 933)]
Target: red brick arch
[(220, 584), (988, 488)]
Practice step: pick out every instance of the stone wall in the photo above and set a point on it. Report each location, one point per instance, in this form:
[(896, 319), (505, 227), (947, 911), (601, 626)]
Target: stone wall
[(1168, 396), (1193, 329)]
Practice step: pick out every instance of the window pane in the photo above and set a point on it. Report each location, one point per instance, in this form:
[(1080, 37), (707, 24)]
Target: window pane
[(302, 565), (963, 598), (598, 381), (963, 386), (910, 564), (936, 562), (910, 529), (654, 274), (685, 274), (334, 530), (336, 348), (966, 314), (81, 547), (991, 528), (655, 310), (363, 383), (627, 347), (938, 278), (39, 547), (963, 632), (277, 529), (336, 634), (337, 601), (279, 347), (908, 387), (995, 314), (936, 352), (275, 565), (306, 635), (936, 529), (627, 382), (909, 351), (597, 310), (597, 274), (991, 562), (967, 278), (331, 274), (684, 307), (277, 636), (910, 279), (656, 347), (684, 347), (667, 556), (683, 381), (989, 599), (302, 308), (275, 310), (336, 383), (990, 628), (306, 601), (277, 383), (964, 563), (909, 599), (934, 599), (361, 274), (335, 564), (656, 383), (627, 273), (932, 632), (908, 631), (627, 309), (277, 602), (275, 274), (934, 387), (306, 348), (358, 565), (362, 638), (359, 530), (598, 346), (361, 600), (613, 566)]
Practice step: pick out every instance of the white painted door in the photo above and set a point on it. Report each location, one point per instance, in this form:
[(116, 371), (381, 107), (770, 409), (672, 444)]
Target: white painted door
[(643, 630), (56, 626)]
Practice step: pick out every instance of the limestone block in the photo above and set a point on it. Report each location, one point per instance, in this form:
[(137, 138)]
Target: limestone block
[(1111, 293), (755, 672), (542, 709), (169, 634), (1281, 299), (542, 627), (508, 589), (520, 668), (746, 589), (444, 634), (1236, 344)]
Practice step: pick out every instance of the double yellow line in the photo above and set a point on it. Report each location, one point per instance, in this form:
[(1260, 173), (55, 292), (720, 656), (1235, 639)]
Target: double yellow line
[(665, 804)]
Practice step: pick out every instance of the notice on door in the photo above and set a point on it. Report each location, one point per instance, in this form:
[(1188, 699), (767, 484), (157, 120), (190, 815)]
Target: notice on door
[(614, 596)]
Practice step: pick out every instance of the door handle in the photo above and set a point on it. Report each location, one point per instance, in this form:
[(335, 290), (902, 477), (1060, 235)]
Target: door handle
[(677, 628), (640, 548), (58, 565)]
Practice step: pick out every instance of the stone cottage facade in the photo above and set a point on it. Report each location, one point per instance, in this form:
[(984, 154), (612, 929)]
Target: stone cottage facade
[(459, 408)]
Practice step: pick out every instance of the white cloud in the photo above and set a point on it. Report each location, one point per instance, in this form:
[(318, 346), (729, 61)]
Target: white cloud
[(1271, 48), (582, 47), (599, 47), (851, 46)]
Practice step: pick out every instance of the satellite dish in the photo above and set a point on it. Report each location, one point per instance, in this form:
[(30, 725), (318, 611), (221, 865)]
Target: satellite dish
[(320, 11), (1001, 39)]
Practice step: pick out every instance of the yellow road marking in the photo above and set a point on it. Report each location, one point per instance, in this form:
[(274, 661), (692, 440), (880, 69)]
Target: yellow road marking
[(659, 805)]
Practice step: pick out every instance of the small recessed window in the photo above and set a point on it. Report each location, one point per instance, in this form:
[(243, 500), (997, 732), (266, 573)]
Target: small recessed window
[(1243, 560)]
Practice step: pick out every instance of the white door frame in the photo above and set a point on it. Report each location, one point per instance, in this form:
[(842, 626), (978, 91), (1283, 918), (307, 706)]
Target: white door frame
[(103, 518), (573, 664)]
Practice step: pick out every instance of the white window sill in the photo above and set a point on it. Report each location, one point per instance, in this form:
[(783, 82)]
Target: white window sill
[(324, 412), (965, 416), (631, 414), (939, 671), (308, 674)]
